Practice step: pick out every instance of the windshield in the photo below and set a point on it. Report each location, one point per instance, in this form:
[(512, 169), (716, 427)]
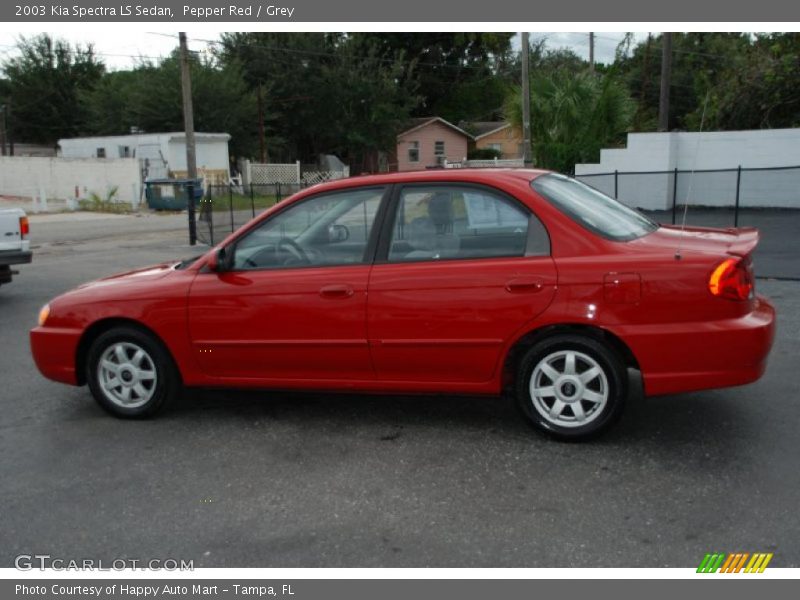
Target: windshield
[(592, 209)]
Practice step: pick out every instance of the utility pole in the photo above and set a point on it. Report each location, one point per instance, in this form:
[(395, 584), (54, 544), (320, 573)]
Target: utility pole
[(188, 125), (526, 103), (261, 142), (3, 131), (666, 74), (591, 50)]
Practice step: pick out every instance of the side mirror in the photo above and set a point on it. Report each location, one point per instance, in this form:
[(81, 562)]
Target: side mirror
[(338, 233), (218, 261)]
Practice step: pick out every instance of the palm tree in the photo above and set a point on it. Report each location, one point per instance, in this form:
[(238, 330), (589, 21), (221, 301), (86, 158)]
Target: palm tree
[(573, 116)]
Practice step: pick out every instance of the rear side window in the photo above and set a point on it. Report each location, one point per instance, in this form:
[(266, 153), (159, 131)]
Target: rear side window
[(455, 222), (592, 209)]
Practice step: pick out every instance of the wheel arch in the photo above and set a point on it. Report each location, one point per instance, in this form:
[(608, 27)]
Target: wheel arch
[(98, 328), (518, 349)]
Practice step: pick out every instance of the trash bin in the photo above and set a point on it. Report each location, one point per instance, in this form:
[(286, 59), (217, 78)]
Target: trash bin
[(171, 194)]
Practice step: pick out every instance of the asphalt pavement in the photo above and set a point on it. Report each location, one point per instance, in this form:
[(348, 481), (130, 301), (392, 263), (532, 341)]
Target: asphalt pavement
[(244, 479)]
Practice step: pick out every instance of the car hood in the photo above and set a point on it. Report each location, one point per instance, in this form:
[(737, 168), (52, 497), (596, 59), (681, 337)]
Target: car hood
[(140, 275)]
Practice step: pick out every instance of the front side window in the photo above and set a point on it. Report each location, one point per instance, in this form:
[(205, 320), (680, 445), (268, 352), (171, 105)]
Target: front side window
[(438, 148), (326, 230), (592, 209), (453, 222)]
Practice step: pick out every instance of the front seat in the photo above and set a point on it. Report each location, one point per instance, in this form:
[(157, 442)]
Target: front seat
[(432, 236)]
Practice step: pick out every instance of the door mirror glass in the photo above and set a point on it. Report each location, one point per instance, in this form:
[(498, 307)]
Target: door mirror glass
[(338, 233)]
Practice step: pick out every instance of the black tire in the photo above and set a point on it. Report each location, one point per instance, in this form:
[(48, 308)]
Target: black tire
[(167, 383), (611, 384)]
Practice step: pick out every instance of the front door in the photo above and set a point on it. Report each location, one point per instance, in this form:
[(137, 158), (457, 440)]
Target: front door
[(293, 304)]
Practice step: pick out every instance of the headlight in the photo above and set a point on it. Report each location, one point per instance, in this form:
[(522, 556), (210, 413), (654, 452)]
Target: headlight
[(43, 314)]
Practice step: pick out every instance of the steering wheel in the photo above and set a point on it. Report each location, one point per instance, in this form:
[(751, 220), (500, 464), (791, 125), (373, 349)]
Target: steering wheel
[(294, 248)]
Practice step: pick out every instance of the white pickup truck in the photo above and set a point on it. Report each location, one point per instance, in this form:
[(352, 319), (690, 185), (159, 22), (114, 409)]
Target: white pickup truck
[(15, 247)]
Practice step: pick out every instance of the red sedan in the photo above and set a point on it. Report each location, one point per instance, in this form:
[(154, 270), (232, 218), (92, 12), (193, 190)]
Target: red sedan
[(457, 281)]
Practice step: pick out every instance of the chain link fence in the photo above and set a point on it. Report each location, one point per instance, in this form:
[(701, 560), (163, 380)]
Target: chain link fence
[(767, 198), (225, 208)]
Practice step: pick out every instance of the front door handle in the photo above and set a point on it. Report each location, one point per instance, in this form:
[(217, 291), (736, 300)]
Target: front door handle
[(524, 285), (336, 291)]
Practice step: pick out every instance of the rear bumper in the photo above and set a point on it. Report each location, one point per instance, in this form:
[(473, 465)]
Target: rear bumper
[(55, 351), (687, 357), (15, 257)]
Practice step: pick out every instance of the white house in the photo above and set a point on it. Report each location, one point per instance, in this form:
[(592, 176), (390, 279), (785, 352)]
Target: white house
[(160, 154)]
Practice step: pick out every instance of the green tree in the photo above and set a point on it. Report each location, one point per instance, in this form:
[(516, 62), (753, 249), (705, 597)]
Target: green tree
[(330, 93), (44, 85), (149, 98), (460, 76), (573, 116)]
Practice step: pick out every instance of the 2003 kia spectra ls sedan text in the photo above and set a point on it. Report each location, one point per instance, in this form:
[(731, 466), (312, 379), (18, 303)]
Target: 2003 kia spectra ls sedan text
[(458, 281)]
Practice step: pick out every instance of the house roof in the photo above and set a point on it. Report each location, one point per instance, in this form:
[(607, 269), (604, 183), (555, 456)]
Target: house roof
[(174, 135), (420, 122), (481, 129)]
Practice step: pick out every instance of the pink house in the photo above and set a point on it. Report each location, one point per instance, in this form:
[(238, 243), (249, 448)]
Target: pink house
[(428, 142)]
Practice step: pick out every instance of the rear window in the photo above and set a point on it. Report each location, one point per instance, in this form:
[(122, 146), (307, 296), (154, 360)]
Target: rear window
[(592, 209)]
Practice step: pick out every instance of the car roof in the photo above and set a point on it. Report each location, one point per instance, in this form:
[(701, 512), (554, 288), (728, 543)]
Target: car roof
[(488, 176)]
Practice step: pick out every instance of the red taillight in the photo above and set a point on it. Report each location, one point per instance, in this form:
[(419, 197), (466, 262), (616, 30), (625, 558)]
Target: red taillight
[(24, 228), (732, 279)]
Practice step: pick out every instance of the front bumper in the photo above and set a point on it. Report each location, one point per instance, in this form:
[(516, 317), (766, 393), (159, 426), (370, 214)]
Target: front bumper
[(55, 352)]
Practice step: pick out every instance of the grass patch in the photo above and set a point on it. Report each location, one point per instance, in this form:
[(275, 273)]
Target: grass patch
[(224, 202), (107, 204)]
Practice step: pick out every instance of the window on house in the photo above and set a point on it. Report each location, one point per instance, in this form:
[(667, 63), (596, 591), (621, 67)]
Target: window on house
[(438, 148), (413, 152), (498, 147), (101, 153)]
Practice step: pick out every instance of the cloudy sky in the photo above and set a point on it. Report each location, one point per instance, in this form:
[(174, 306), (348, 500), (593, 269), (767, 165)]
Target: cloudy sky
[(120, 50)]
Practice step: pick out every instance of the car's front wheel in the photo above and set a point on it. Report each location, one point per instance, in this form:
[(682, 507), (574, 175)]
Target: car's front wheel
[(571, 387), (130, 373)]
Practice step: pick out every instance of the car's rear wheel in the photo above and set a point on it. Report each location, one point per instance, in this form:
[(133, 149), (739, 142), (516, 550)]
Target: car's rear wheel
[(130, 373), (571, 387)]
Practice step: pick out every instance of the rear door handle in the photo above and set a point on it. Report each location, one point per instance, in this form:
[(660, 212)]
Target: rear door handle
[(524, 285), (336, 291)]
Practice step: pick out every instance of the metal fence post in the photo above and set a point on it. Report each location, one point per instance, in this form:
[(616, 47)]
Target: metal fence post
[(674, 194), (738, 186), (230, 204), (252, 200), (190, 210), (616, 184), (210, 212)]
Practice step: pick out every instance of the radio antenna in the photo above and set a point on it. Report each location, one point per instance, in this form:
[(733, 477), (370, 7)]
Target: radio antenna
[(691, 179)]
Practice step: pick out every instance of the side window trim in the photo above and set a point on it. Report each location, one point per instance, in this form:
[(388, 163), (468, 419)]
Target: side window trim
[(533, 246), (372, 243)]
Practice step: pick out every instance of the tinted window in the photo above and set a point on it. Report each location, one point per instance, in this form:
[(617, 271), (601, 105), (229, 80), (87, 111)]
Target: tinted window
[(593, 209), (444, 222), (330, 229)]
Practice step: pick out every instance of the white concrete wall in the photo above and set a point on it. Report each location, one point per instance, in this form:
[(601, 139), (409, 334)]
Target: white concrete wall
[(57, 178), (710, 150)]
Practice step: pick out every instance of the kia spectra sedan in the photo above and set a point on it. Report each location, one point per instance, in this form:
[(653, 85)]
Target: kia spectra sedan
[(452, 281)]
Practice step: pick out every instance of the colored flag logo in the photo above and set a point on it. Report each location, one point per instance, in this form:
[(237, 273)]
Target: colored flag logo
[(739, 562)]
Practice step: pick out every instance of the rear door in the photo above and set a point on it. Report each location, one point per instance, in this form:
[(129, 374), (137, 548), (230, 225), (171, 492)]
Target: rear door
[(459, 270)]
